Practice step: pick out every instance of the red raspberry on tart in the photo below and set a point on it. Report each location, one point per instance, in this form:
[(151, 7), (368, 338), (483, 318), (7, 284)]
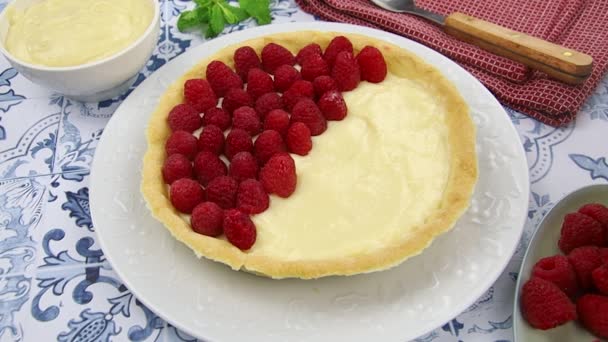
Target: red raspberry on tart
[(184, 117), (308, 51), (247, 119), (222, 78), (181, 142), (207, 219), (239, 229), (277, 120), (208, 166), (185, 194), (218, 117), (298, 139), (236, 98), (259, 83), (275, 55), (245, 59), (285, 76), (176, 167), (268, 102), (307, 112), (237, 140), (337, 45), (198, 94), (211, 139), (267, 144)]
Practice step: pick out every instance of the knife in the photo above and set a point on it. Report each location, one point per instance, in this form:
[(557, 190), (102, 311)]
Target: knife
[(567, 65)]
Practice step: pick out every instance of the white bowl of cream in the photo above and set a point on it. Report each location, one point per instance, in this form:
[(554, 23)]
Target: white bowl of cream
[(88, 50)]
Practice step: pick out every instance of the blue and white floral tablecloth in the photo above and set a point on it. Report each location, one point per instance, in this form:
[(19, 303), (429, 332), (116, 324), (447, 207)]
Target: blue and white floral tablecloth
[(55, 283)]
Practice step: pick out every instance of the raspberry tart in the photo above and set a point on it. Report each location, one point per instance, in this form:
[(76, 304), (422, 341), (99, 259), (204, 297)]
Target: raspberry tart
[(343, 156)]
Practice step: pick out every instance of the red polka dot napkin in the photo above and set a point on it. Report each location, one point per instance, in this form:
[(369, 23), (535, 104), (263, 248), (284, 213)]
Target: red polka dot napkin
[(576, 24)]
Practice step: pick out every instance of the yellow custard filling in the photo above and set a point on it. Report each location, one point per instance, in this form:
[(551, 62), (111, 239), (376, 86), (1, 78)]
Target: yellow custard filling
[(369, 179), (61, 33)]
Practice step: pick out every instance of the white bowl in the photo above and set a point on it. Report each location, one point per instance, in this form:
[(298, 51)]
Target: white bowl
[(543, 244), (95, 81)]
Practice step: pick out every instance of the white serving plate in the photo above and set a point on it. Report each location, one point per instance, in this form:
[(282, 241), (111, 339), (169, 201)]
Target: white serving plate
[(212, 302)]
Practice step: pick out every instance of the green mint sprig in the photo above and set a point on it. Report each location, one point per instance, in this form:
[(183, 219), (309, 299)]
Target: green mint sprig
[(211, 16)]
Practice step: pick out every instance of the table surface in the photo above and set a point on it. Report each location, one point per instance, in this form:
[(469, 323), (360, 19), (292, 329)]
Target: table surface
[(55, 280)]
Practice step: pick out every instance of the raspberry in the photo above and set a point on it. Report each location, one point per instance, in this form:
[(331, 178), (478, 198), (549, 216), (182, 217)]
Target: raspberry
[(346, 71), (580, 230), (251, 197), (372, 64), (307, 112), (278, 176), (298, 139), (584, 260), (181, 142), (222, 191), (604, 255), (207, 219), (211, 139), (239, 229), (184, 117), (597, 211), (284, 76), (337, 45), (198, 94), (313, 67), (557, 270), (176, 167), (243, 166), (185, 194), (235, 98), (237, 141), (307, 51), (593, 313), (600, 279), (222, 78), (298, 90), (268, 102), (247, 119), (544, 305), (245, 59), (259, 83), (332, 105), (218, 117), (277, 120), (207, 166), (323, 84), (268, 144), (274, 55)]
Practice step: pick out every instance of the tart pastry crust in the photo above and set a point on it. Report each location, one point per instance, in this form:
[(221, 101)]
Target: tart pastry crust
[(456, 196)]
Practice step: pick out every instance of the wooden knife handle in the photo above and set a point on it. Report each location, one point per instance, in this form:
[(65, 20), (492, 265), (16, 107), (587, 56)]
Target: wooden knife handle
[(564, 64)]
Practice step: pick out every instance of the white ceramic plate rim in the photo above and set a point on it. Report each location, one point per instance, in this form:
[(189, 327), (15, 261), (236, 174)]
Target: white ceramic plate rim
[(520, 170)]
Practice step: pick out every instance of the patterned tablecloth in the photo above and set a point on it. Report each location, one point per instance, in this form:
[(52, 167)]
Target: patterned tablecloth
[(55, 283)]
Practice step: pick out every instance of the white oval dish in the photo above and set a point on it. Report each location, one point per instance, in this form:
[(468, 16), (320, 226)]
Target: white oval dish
[(95, 81), (543, 244), (214, 303)]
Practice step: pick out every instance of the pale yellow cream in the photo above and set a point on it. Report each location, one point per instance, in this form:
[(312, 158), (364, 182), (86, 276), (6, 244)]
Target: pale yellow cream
[(61, 33), (368, 179)]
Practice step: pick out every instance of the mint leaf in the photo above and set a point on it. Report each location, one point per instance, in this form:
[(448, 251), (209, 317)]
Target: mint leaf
[(240, 13), (203, 3), (233, 14), (228, 15), (216, 21), (259, 9), (203, 14), (188, 20)]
